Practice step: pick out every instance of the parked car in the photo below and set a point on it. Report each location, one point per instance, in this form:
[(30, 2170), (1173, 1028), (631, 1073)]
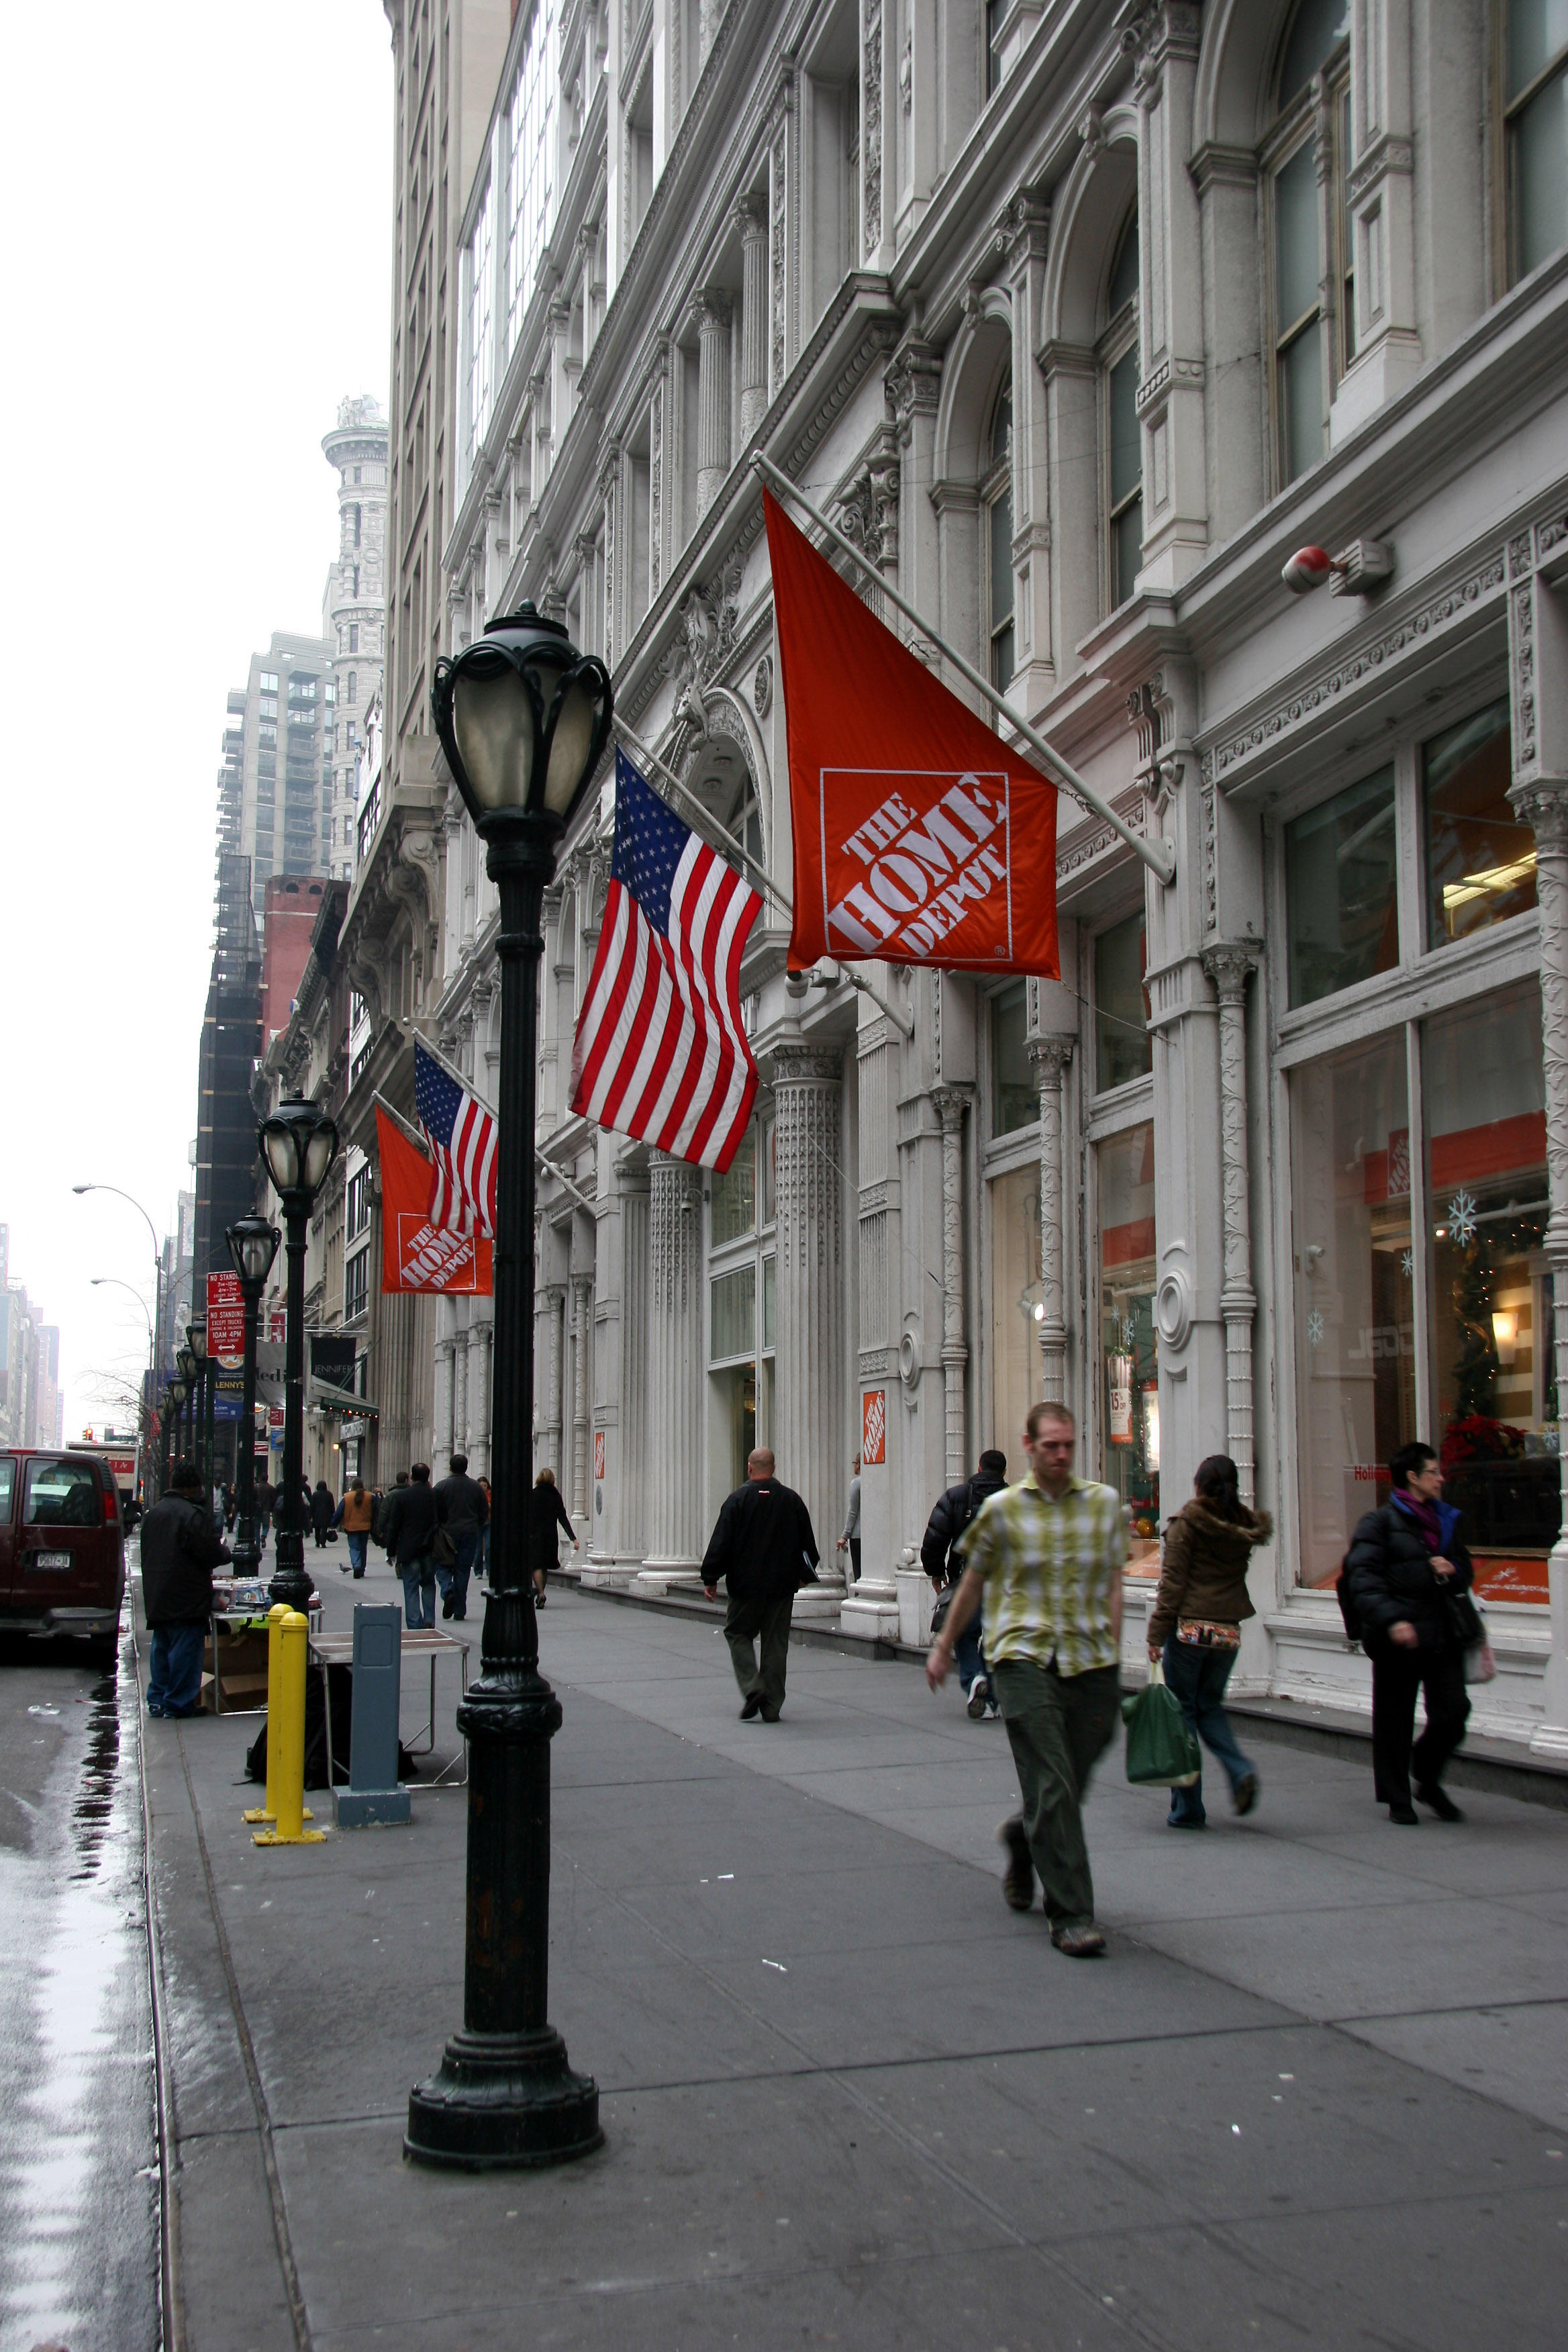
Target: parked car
[(62, 1547)]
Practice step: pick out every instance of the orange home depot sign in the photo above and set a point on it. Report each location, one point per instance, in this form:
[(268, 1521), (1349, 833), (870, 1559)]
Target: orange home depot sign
[(415, 1253), (921, 835), (873, 1426)]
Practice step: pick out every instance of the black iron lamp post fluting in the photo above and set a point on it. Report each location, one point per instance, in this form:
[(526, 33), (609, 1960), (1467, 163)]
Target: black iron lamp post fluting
[(178, 1391), (170, 1430), (253, 1245), (298, 1144), (190, 1446), (523, 719)]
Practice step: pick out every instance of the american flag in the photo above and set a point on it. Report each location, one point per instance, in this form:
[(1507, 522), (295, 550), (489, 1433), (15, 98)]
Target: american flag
[(462, 1135), (660, 1053)]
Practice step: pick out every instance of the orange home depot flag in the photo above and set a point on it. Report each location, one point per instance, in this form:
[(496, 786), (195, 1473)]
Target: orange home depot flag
[(415, 1253), (919, 836)]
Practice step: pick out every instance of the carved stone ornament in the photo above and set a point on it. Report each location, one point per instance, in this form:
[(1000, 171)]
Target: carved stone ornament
[(762, 686), (1173, 1307), (707, 617)]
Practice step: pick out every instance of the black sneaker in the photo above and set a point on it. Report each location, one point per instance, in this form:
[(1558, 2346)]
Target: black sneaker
[(1405, 1815), (447, 1605), (979, 1698), (750, 1705), (1439, 1801), (1018, 1878)]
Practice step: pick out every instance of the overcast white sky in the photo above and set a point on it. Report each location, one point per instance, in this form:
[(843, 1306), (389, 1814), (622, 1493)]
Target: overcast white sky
[(197, 227)]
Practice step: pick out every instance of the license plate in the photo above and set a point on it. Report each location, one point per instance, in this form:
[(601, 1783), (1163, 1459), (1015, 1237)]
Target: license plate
[(54, 1559)]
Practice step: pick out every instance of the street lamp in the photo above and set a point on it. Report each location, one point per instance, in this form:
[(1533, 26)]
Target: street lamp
[(523, 719), (155, 1336), (253, 1245), (299, 1143), (178, 1390), (196, 1334), (169, 1415)]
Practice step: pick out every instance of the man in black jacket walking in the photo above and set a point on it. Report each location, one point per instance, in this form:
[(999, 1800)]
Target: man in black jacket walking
[(180, 1550), (941, 1556), (460, 1500), (408, 1530), (1405, 1571), (763, 1548)]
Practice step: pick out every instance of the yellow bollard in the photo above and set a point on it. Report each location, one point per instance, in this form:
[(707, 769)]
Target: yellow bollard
[(266, 1811), (286, 1740)]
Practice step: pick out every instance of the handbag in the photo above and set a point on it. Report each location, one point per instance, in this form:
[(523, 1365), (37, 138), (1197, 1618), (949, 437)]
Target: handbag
[(1162, 1752), (444, 1548), (939, 1612), (1470, 1628)]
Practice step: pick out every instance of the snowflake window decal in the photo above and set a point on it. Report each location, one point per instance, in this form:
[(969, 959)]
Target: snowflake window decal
[(1407, 1265), (1462, 1218), (1315, 1328)]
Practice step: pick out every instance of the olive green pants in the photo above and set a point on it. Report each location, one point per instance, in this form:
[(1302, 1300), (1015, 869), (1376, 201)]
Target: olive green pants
[(1057, 1727), (743, 1621)]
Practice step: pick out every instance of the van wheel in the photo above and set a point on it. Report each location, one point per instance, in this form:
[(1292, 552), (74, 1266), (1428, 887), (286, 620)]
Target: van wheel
[(103, 1651)]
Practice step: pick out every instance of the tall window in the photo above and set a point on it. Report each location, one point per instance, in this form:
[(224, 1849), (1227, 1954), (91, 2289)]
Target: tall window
[(1310, 246), (1535, 115), (529, 132), (1123, 438), (1124, 1047), (481, 374), (996, 506)]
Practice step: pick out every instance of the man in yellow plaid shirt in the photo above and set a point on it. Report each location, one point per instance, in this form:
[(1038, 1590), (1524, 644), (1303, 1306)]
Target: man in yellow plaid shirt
[(1047, 1556)]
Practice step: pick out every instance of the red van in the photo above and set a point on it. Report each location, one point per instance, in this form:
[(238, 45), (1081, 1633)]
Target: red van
[(62, 1547)]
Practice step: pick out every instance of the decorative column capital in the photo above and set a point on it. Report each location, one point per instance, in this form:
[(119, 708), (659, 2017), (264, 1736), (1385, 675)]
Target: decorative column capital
[(1050, 1054), (799, 1063), (711, 310), (752, 218), (1228, 963), (1541, 802), (949, 1103)]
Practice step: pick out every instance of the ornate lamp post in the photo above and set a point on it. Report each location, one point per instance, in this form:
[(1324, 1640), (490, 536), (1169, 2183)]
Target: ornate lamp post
[(178, 1391), (197, 1338), (523, 719), (171, 1446), (189, 1427), (299, 1143), (253, 1245)]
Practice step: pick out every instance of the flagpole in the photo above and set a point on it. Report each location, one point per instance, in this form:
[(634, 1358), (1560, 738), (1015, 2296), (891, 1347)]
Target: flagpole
[(1160, 860)]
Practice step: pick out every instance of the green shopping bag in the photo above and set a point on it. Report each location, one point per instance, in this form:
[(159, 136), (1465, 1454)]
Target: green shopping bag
[(1161, 1751)]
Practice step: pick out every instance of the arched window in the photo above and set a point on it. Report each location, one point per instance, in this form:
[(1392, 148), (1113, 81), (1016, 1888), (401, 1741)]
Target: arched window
[(1310, 246), (1535, 116), (744, 820), (1123, 439), (997, 514)]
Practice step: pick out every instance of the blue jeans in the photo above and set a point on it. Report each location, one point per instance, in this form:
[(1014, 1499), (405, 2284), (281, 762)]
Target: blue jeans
[(967, 1655), (454, 1581), (356, 1552), (419, 1592), (1198, 1678), (175, 1671)]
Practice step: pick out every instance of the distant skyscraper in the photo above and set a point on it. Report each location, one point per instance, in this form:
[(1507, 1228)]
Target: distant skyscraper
[(354, 607), (275, 788)]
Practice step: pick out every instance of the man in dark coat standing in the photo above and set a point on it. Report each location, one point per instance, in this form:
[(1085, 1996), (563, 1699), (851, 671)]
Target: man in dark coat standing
[(763, 1548), (1408, 1574), (180, 1550)]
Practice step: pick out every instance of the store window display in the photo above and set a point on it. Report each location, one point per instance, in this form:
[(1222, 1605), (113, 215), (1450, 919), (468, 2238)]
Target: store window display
[(1129, 1393), (1494, 1387), (1353, 1278)]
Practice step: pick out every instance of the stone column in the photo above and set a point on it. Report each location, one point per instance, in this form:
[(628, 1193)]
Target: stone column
[(554, 1295), (677, 1360), (1229, 966), (457, 1441), (1050, 1057), (626, 1498), (712, 395), (582, 1316), (815, 1439), (482, 1339), (445, 1348), (950, 1104), (753, 221)]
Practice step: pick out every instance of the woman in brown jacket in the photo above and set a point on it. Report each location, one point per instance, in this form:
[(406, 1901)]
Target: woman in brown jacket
[(1195, 1623)]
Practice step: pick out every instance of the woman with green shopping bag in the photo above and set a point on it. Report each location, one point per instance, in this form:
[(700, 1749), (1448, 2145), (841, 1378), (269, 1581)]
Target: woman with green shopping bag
[(1194, 1624)]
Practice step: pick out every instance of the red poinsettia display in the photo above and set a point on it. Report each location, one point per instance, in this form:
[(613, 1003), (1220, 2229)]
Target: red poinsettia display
[(1480, 1438)]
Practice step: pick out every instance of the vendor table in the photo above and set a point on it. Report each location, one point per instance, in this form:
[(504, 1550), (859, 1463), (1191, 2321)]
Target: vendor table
[(242, 1633), (418, 1642)]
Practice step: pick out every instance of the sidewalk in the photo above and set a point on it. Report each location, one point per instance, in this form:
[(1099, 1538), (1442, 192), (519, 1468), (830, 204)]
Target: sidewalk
[(1318, 2089)]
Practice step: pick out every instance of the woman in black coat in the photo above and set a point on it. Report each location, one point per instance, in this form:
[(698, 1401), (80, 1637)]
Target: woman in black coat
[(321, 1509), (1406, 1572), (547, 1512)]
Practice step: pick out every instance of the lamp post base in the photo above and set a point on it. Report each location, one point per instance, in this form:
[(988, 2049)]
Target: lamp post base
[(503, 2100)]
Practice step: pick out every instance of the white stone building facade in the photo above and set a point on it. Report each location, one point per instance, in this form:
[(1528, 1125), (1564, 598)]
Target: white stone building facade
[(353, 609), (1081, 319)]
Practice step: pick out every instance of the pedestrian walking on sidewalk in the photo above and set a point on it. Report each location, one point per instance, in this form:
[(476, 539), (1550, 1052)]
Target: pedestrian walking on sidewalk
[(321, 1510), (1047, 1556), (464, 1510), (941, 1556), (355, 1513), (265, 1504), (764, 1550), (408, 1532), (850, 1538), (180, 1550), (546, 1512), (482, 1565), (1409, 1578), (1194, 1624)]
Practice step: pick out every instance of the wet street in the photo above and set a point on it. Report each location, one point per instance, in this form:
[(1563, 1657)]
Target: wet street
[(78, 2184)]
